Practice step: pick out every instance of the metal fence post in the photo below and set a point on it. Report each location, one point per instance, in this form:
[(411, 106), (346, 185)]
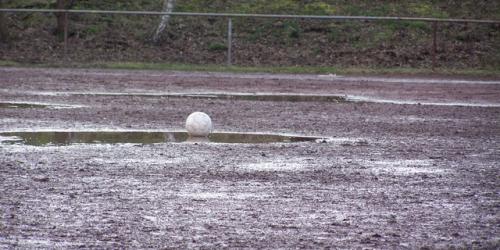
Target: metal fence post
[(229, 40), (434, 45), (65, 33)]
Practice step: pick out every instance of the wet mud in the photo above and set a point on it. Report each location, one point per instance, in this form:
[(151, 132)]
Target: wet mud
[(387, 175)]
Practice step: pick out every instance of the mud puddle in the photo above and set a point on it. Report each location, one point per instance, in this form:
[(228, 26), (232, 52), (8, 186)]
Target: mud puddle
[(136, 137), (276, 97), (273, 97), (21, 105), (35, 105), (270, 97), (364, 99)]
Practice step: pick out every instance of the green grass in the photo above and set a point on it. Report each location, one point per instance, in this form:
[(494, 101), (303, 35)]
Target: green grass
[(217, 68), (492, 72), (216, 46), (9, 64)]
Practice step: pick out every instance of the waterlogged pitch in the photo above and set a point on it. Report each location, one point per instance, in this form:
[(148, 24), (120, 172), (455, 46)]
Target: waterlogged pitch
[(102, 159)]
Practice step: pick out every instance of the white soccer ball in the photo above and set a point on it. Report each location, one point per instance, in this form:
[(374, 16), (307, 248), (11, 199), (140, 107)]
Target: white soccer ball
[(199, 124)]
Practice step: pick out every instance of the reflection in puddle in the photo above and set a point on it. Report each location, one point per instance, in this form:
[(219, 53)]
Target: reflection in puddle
[(364, 99), (9, 139), (29, 105), (270, 97), (66, 138), (279, 97), (274, 97), (21, 105)]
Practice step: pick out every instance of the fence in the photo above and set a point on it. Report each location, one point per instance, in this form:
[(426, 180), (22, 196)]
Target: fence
[(229, 17)]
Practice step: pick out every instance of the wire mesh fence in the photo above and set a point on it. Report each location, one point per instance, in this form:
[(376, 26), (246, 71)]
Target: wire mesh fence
[(257, 39)]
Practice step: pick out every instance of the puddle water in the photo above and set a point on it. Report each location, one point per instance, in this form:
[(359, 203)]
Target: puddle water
[(66, 138), (274, 97), (21, 105), (364, 99), (29, 105)]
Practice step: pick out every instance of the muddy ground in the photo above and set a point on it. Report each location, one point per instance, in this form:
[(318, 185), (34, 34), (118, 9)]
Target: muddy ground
[(413, 165)]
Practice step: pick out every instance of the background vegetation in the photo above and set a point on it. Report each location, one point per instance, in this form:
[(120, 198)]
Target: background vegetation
[(118, 38)]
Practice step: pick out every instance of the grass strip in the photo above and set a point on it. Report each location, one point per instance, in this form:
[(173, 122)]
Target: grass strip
[(488, 72)]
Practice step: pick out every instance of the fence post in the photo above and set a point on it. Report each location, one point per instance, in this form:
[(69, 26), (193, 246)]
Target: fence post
[(65, 33), (434, 45), (229, 40)]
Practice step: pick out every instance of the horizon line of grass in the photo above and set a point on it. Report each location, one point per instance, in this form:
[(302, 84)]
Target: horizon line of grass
[(489, 72)]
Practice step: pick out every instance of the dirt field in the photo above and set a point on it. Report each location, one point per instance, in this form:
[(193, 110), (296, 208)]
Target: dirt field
[(410, 163)]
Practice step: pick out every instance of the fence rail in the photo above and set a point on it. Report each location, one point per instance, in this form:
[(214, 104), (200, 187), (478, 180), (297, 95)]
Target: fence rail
[(159, 13), (229, 17)]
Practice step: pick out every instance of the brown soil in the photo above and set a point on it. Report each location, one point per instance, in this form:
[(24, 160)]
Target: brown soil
[(393, 176)]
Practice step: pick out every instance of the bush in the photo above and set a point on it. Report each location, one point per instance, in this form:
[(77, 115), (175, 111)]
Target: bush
[(319, 8), (216, 46)]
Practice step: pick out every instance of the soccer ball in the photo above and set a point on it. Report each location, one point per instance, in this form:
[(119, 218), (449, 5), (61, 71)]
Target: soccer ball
[(198, 124)]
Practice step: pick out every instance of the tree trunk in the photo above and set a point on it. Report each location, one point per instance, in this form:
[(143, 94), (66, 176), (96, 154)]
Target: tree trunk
[(60, 5), (168, 6), (61, 19), (4, 32)]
